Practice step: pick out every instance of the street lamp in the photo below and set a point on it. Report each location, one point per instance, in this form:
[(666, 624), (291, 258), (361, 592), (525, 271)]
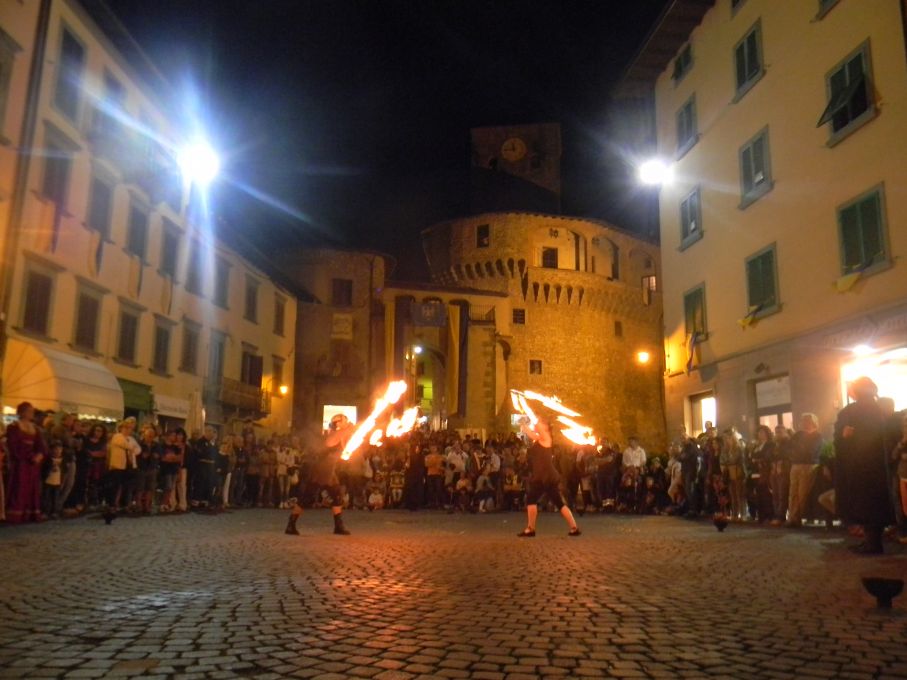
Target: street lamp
[(643, 357), (199, 163), (656, 172)]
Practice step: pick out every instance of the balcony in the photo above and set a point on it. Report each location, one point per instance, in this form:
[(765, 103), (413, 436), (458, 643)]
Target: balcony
[(240, 396), (481, 313)]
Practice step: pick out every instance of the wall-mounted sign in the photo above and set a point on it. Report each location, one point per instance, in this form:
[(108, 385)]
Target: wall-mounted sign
[(342, 327)]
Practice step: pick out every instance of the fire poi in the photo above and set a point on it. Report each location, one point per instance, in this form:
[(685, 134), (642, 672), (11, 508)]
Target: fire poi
[(573, 430)]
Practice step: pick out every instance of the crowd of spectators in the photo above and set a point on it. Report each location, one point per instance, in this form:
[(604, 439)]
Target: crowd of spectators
[(55, 466)]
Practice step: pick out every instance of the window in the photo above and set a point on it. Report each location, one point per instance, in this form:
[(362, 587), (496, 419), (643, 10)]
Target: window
[(194, 269), (549, 258), (686, 126), (762, 282), (748, 60), (535, 367), (170, 244), (69, 76), (251, 370), (618, 329), (694, 311), (690, 219), (104, 120), (8, 50), (849, 95), (137, 233), (483, 236), (100, 203), (217, 349), (88, 313), (519, 316), (342, 292), (861, 226), (251, 308), (755, 169), (221, 282), (129, 332), (683, 63), (160, 359), (36, 310), (825, 7), (189, 356), (277, 378), (649, 286), (280, 310), (57, 166)]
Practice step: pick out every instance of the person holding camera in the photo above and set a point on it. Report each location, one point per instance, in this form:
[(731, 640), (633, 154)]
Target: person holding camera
[(324, 474)]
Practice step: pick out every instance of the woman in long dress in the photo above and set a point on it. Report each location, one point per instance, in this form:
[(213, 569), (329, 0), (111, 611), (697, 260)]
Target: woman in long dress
[(27, 451)]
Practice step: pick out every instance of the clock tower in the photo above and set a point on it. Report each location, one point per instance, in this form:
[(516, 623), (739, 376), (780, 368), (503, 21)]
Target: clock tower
[(516, 167)]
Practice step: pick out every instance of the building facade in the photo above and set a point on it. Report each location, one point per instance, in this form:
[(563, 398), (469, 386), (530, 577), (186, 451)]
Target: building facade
[(118, 297), (784, 229), (585, 312)]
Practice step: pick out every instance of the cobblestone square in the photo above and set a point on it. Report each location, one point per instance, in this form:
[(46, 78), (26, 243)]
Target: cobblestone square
[(432, 595)]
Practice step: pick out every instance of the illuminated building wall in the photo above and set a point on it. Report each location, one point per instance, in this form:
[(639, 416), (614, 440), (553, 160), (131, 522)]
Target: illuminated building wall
[(584, 300), (113, 297), (785, 122)]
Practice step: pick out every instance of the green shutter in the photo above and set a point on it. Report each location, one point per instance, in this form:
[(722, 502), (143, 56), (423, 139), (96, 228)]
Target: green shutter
[(136, 395), (871, 229), (740, 60), (752, 56), (850, 238), (747, 163)]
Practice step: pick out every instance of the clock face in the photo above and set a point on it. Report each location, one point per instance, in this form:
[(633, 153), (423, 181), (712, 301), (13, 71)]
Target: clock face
[(514, 149)]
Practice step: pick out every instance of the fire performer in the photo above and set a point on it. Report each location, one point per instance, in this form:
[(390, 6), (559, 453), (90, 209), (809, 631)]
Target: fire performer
[(324, 474), (545, 478)]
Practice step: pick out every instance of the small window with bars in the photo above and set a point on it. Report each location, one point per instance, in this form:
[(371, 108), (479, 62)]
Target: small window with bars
[(535, 367), (519, 316)]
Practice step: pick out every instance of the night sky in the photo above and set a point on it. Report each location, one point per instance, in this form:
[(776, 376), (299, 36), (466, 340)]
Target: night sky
[(355, 115)]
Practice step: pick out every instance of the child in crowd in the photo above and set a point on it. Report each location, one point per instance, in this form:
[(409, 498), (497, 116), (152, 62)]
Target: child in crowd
[(53, 478), (397, 480)]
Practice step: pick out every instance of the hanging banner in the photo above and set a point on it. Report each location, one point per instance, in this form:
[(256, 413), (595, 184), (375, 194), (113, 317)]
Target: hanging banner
[(429, 314)]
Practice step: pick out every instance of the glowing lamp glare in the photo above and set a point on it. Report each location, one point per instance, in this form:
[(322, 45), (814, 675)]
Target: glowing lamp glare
[(655, 172), (199, 163)]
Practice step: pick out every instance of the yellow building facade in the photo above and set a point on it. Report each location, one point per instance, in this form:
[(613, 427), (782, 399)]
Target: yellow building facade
[(117, 297), (783, 231)]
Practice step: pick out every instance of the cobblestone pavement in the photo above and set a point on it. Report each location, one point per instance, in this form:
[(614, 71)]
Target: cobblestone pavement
[(419, 595)]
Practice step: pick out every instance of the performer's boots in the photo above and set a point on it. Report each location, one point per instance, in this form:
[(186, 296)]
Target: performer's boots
[(338, 526), (291, 525)]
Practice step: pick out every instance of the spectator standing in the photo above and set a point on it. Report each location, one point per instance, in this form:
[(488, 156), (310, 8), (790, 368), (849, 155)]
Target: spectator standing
[(899, 458), (148, 463), (52, 473), (732, 470), (861, 475), (284, 463), (804, 454), (205, 477), (780, 475), (434, 473), (122, 452), (415, 477), (181, 444), (168, 471), (253, 471), (63, 433), (607, 474), (237, 495), (689, 469), (761, 457)]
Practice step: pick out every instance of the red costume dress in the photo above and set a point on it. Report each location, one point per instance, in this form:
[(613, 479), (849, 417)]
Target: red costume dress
[(24, 485)]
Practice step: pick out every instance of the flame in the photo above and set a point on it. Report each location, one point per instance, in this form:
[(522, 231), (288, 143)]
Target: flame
[(375, 439), (398, 427), (574, 431), (392, 395)]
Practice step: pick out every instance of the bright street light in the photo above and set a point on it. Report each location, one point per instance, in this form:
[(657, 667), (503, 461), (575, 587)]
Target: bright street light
[(643, 357), (199, 163), (417, 349), (656, 172), (863, 350), (283, 389)]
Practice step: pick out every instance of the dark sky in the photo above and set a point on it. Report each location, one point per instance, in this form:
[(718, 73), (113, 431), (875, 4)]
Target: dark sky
[(356, 114)]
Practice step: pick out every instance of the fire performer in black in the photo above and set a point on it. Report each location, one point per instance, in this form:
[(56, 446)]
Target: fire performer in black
[(544, 480), (324, 474)]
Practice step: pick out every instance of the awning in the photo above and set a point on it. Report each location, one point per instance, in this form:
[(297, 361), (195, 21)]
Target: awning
[(54, 380), (173, 407), (136, 395)]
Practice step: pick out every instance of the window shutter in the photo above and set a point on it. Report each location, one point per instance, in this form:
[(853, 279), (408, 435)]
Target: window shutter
[(256, 370), (871, 229), (850, 238), (740, 59), (758, 161), (752, 55), (747, 162)]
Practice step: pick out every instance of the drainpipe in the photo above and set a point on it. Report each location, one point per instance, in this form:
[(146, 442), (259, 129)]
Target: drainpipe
[(26, 142)]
